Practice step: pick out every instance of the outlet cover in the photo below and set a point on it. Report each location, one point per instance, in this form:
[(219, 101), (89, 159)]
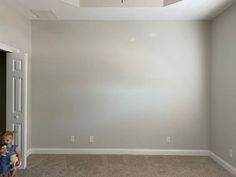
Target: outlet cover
[(168, 139), (231, 153), (72, 139), (91, 139)]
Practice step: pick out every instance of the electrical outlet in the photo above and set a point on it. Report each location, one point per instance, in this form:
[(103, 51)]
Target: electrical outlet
[(231, 153), (91, 139), (168, 139), (72, 139)]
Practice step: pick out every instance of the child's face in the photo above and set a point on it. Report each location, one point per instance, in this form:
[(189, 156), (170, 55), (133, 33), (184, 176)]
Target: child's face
[(7, 139)]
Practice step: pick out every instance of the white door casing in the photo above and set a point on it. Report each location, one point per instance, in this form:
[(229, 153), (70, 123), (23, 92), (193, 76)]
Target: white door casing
[(17, 65)]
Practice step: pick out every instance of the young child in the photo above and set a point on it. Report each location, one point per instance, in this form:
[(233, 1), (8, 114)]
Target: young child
[(6, 167)]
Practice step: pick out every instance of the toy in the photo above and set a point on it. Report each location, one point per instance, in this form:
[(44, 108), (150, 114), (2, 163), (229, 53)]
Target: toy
[(14, 160), (3, 150)]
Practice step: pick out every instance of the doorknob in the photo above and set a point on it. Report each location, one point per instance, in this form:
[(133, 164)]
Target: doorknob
[(16, 117)]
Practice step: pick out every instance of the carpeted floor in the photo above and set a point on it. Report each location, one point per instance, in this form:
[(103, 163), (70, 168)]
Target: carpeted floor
[(121, 166)]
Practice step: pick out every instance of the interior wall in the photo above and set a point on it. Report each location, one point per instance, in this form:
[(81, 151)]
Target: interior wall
[(223, 121), (15, 31), (2, 91), (129, 84)]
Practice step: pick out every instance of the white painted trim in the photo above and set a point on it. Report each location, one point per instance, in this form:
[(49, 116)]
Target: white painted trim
[(120, 151), (26, 112), (29, 152), (8, 48), (223, 163)]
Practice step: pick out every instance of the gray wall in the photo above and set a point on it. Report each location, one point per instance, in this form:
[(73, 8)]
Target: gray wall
[(130, 84), (15, 31), (223, 121)]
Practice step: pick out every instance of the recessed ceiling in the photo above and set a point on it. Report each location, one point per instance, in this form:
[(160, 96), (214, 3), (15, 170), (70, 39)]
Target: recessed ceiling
[(122, 3), (75, 3), (44, 14), (122, 9)]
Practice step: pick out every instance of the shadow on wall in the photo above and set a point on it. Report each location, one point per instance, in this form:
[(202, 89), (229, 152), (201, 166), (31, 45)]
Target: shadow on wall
[(2, 91)]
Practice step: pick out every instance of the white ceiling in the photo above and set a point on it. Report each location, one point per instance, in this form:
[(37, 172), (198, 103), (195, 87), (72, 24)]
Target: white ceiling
[(112, 10), (121, 3)]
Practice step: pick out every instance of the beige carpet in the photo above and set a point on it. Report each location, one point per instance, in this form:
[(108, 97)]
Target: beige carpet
[(121, 166)]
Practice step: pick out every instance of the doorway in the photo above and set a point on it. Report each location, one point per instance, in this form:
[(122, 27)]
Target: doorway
[(13, 95), (3, 70)]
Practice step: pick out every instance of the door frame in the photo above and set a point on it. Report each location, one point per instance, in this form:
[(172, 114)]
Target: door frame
[(10, 49)]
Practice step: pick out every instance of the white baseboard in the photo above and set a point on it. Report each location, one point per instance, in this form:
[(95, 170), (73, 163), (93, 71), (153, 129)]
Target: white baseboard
[(120, 151), (223, 163), (29, 152)]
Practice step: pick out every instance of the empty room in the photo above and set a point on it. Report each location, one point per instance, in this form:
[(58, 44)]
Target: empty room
[(118, 88)]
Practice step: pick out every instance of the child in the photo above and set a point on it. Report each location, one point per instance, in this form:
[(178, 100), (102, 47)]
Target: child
[(6, 168)]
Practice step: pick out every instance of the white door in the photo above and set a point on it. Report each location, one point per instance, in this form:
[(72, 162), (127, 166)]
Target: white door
[(17, 100)]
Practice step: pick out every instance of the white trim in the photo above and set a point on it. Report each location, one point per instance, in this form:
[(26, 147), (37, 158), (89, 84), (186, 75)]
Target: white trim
[(223, 163), (120, 151), (29, 152), (26, 112), (8, 48)]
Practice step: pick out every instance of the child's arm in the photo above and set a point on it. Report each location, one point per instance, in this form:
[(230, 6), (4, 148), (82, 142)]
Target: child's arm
[(18, 154), (3, 151)]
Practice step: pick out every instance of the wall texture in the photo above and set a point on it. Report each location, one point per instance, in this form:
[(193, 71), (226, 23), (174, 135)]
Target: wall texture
[(223, 121), (15, 31), (130, 84)]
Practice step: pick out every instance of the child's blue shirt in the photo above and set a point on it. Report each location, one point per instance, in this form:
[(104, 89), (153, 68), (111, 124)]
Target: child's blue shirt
[(5, 166)]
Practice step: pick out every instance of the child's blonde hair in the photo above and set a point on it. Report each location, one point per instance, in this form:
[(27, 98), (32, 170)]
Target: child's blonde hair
[(6, 133)]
